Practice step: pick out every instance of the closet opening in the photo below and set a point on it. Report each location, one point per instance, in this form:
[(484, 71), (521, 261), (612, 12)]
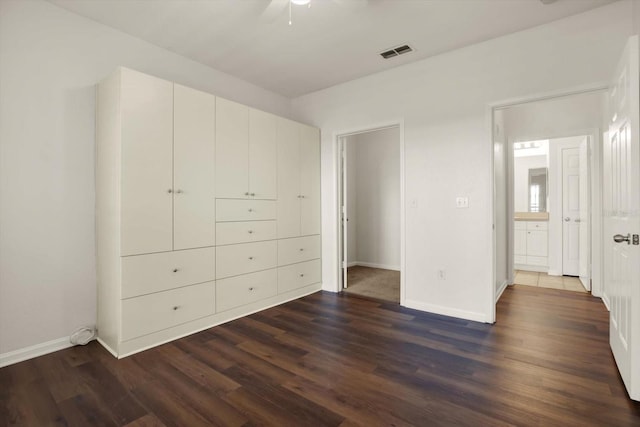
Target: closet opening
[(370, 213)]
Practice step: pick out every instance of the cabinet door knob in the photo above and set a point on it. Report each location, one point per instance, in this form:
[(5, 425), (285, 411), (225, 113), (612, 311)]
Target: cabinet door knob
[(567, 219), (246, 194), (170, 191), (302, 197), (301, 249), (250, 210), (251, 258), (179, 191), (253, 194), (175, 307), (250, 231), (250, 289), (301, 275), (175, 270)]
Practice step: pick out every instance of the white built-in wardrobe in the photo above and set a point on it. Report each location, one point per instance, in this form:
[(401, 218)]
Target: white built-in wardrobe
[(207, 210)]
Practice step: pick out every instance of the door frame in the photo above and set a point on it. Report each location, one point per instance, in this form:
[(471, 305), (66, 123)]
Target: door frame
[(596, 189), (338, 146)]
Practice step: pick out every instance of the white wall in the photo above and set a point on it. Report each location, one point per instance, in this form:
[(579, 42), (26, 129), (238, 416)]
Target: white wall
[(376, 160), (50, 60), (521, 166), (443, 102)]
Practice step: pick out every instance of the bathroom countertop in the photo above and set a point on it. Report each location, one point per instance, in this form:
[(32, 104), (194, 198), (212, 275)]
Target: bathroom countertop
[(531, 216)]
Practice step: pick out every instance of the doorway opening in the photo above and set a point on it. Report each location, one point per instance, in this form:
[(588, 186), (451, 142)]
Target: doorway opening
[(547, 192), (370, 211)]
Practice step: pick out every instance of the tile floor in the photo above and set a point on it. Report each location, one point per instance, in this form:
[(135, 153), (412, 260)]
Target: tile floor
[(543, 280)]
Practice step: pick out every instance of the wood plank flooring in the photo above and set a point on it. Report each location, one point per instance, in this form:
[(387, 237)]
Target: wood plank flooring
[(340, 360)]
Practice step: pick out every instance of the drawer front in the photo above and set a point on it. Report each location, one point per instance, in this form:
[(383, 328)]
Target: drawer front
[(234, 260), (537, 225), (151, 313), (245, 210), (228, 233), (245, 289), (300, 249), (520, 259), (145, 274), (296, 276), (537, 260)]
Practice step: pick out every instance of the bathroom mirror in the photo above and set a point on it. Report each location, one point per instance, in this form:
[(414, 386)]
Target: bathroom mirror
[(538, 190)]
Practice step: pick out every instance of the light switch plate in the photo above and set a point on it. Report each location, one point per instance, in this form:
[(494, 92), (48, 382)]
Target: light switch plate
[(462, 202)]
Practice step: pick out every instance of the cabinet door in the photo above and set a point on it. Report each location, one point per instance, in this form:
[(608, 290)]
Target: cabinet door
[(519, 242), (194, 165), (537, 243), (232, 149), (146, 105), (309, 180), (263, 155), (288, 179)]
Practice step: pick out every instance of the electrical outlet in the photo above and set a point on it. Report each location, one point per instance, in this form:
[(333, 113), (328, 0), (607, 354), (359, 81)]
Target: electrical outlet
[(442, 275), (462, 202)]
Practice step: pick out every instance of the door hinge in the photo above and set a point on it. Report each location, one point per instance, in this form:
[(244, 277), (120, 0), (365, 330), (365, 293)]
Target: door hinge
[(635, 239)]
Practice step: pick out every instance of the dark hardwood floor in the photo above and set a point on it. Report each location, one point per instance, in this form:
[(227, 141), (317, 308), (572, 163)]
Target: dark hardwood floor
[(339, 360)]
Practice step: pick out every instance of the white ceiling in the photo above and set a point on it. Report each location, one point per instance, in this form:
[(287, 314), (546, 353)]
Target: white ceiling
[(332, 42)]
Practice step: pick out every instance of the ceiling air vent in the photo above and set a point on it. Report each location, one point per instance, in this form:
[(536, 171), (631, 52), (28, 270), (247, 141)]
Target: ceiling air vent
[(396, 51)]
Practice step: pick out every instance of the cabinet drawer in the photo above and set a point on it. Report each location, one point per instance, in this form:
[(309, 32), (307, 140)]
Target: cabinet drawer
[(296, 276), (537, 260), (245, 210), (245, 289), (537, 225), (299, 249), (145, 274), (243, 232), (150, 313), (233, 260)]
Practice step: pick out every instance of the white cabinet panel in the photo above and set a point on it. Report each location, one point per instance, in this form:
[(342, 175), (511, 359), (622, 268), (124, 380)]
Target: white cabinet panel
[(309, 180), (144, 274), (228, 233), (537, 225), (537, 243), (245, 289), (288, 179), (194, 168), (537, 260), (520, 242), (147, 155), (233, 260), (262, 155), (291, 251), (150, 313), (245, 210), (232, 149), (298, 275)]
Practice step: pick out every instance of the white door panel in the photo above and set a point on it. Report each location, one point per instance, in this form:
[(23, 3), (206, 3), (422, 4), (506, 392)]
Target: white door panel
[(147, 175), (309, 180), (194, 163), (288, 179), (232, 149), (571, 211), (585, 217), (621, 192), (263, 155)]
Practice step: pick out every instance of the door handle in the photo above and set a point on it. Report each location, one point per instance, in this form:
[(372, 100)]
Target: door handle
[(567, 219), (619, 238), (576, 220)]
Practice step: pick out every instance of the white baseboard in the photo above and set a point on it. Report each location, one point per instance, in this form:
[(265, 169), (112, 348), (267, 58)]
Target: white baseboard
[(554, 273), (41, 349), (374, 265), (446, 311), (501, 289)]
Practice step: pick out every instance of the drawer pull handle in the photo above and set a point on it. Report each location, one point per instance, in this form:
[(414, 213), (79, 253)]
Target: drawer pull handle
[(175, 270), (301, 249), (301, 275), (250, 231), (179, 191), (253, 194), (175, 307), (246, 194), (250, 289), (170, 191), (250, 210), (250, 258)]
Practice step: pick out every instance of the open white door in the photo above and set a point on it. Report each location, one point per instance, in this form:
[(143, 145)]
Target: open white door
[(344, 223), (621, 191), (571, 211), (584, 219)]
